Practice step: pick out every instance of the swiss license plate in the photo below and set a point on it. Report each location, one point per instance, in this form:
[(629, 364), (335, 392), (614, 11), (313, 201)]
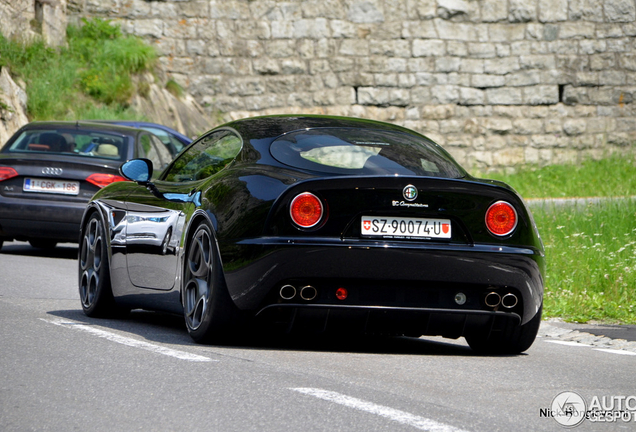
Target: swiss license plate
[(399, 227), (51, 186)]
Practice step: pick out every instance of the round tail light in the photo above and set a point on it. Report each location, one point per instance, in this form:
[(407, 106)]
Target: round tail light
[(501, 218), (306, 210)]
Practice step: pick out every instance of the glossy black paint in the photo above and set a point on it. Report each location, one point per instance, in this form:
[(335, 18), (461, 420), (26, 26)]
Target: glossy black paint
[(54, 217), (247, 203)]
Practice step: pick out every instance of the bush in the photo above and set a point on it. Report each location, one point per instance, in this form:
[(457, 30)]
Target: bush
[(94, 74)]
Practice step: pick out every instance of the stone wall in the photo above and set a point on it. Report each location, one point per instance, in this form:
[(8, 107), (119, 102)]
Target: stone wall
[(27, 20), (496, 82), (16, 17)]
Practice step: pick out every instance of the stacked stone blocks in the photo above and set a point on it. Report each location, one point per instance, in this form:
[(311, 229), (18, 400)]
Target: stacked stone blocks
[(497, 82)]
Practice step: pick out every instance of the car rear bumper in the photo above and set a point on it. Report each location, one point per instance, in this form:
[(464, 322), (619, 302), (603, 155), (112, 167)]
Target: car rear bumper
[(24, 219), (385, 275), (338, 319)]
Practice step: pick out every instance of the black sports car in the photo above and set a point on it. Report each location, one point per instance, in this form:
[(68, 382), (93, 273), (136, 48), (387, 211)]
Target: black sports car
[(317, 223), (50, 170)]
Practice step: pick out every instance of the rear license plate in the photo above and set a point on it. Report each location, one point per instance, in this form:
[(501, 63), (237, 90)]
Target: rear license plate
[(397, 227), (51, 186)]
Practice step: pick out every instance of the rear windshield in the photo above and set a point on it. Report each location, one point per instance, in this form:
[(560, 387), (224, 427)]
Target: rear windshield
[(96, 144), (364, 152)]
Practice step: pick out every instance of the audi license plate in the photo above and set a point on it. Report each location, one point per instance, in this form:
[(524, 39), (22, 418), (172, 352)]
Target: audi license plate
[(397, 227), (51, 186)]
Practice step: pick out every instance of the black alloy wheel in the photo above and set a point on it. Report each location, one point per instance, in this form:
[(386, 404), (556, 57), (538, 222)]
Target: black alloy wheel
[(210, 313), (94, 274)]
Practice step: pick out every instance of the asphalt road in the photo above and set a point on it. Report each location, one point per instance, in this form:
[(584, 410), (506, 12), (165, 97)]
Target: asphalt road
[(62, 371)]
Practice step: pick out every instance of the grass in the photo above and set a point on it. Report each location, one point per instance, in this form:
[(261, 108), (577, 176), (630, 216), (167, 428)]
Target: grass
[(609, 177), (590, 249), (91, 78), (591, 257)]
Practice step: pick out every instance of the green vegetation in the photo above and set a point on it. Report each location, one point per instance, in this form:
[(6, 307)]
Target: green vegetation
[(173, 87), (591, 256), (590, 249), (91, 78), (612, 176)]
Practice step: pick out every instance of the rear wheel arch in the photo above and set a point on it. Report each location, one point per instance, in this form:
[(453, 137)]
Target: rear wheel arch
[(209, 312), (513, 339)]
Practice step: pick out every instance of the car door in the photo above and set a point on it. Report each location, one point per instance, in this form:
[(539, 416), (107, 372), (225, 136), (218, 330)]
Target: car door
[(155, 224), (154, 227)]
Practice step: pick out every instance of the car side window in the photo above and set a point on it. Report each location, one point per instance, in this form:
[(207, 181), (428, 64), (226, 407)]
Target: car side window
[(173, 145), (162, 150), (149, 151), (206, 157)]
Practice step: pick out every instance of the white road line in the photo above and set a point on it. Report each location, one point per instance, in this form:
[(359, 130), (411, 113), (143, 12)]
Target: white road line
[(607, 350), (403, 417), (615, 351), (568, 343), (113, 337)]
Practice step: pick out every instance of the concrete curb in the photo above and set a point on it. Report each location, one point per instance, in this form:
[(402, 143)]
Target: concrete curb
[(592, 335)]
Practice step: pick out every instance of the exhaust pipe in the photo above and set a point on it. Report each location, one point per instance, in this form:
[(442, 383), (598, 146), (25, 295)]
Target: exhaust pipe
[(308, 293), (509, 301), (492, 299), (287, 292)]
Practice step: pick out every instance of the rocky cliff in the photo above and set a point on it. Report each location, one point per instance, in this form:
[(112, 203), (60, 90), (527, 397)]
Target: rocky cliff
[(13, 100), (27, 20)]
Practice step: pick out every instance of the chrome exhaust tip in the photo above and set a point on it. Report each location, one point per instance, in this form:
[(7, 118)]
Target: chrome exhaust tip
[(509, 301), (287, 292), (492, 299), (308, 293)]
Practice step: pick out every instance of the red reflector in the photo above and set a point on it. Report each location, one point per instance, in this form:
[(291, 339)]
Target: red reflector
[(7, 172), (101, 180), (306, 210), (342, 293), (501, 218)]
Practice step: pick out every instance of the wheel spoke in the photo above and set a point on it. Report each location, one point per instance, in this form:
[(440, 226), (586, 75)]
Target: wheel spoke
[(84, 252), (97, 253), (88, 287), (199, 256), (198, 277), (196, 302)]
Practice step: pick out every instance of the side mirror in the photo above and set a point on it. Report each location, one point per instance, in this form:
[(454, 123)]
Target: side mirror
[(137, 170)]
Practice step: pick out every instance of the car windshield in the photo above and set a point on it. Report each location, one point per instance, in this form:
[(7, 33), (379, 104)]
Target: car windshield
[(85, 143), (364, 152)]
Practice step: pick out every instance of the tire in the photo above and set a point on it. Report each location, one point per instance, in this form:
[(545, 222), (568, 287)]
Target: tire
[(209, 312), (514, 339), (43, 243), (95, 288), (166, 241)]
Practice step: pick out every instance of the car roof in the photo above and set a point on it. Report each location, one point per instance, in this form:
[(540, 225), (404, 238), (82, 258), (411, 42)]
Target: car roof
[(276, 125), (124, 130), (141, 124)]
